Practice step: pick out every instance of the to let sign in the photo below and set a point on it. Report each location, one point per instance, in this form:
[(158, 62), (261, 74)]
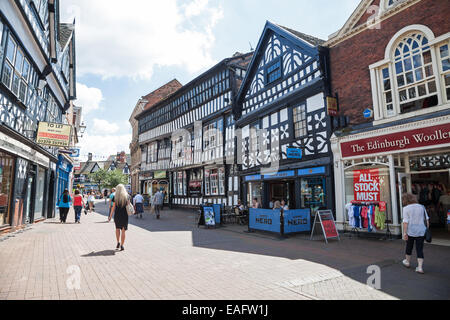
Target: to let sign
[(366, 185), (424, 137), (54, 134)]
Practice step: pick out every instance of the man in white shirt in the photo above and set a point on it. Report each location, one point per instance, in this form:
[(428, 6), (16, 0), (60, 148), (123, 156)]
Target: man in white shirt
[(138, 203)]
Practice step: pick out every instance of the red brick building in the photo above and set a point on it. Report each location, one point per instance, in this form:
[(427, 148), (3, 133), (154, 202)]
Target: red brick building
[(390, 67)]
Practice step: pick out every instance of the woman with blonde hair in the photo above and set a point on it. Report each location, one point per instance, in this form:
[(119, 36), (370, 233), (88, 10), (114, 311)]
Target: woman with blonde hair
[(414, 229), (119, 208)]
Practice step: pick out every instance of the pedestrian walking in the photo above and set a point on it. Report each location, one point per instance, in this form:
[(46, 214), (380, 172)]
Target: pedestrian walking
[(119, 208), (78, 204), (64, 205), (159, 200), (138, 202), (91, 200), (415, 224), (105, 195)]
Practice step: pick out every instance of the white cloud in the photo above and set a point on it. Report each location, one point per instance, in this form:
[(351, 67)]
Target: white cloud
[(88, 98), (118, 39), (101, 126), (102, 146)]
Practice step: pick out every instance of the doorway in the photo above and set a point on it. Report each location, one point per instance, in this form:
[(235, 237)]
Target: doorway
[(283, 190), (432, 189)]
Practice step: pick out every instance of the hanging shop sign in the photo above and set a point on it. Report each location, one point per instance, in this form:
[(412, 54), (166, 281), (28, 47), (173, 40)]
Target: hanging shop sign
[(401, 141), (75, 153), (296, 221), (54, 134), (332, 107), (366, 185), (326, 219)]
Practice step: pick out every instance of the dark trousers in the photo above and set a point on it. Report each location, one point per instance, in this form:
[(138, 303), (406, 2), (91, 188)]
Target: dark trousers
[(419, 246), (77, 213), (63, 214)]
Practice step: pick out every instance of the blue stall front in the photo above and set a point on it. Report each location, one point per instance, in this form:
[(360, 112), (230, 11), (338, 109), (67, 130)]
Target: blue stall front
[(64, 169), (294, 221)]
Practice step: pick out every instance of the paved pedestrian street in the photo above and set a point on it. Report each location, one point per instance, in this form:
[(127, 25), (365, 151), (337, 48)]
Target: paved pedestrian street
[(173, 259)]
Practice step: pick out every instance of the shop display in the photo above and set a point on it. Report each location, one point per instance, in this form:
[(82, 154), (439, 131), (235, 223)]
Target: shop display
[(366, 215)]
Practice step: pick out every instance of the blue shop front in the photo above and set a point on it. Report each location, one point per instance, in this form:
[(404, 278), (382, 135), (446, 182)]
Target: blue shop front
[(64, 169), (305, 188)]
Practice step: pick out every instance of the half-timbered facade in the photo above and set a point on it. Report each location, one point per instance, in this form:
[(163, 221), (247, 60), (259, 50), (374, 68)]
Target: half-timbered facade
[(284, 130), (186, 139), (37, 83)]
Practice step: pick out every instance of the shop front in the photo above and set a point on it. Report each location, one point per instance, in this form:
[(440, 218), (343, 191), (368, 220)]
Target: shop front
[(376, 167), (300, 188), (6, 187), (64, 169)]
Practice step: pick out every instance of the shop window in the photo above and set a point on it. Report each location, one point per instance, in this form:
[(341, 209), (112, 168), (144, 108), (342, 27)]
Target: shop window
[(222, 181), (6, 182), (254, 191), (214, 182), (207, 182), (313, 193), (300, 125)]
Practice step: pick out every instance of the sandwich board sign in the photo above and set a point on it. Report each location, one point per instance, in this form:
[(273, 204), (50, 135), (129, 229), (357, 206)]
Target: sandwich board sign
[(326, 220)]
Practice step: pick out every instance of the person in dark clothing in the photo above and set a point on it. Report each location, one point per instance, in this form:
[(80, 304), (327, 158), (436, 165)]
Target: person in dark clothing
[(119, 208), (64, 205)]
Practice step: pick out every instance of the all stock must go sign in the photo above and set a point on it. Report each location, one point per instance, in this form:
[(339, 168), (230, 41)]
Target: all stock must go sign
[(366, 184)]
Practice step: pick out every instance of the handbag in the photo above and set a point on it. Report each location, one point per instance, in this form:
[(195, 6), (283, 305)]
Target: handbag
[(428, 236), (130, 209)]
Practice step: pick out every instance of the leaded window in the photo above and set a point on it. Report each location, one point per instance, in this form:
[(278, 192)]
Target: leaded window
[(16, 70), (273, 72), (300, 125)]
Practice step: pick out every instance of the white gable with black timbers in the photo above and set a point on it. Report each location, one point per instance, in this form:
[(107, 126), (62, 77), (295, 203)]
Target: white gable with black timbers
[(280, 107)]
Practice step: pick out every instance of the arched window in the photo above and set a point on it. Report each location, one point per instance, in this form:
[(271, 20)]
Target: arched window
[(416, 83), (414, 76)]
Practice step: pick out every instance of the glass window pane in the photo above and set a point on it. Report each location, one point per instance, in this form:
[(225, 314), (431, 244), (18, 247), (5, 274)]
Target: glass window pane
[(7, 75), (446, 64), (427, 57), (419, 74), (387, 85), (422, 90), (408, 64), (417, 61), (444, 51), (401, 81), (403, 96), (11, 50), (409, 78), (19, 61), (412, 93), (447, 79), (388, 97), (385, 73), (399, 67), (432, 87), (428, 71)]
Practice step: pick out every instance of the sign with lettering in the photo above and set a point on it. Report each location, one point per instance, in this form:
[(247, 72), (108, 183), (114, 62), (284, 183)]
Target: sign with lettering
[(332, 107), (326, 220), (382, 206), (294, 153), (401, 141), (54, 134), (265, 220), (160, 175), (280, 175), (366, 185), (297, 221), (75, 153)]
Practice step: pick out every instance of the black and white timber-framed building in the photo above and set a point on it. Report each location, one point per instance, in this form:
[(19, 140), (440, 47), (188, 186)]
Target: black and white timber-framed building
[(37, 83), (281, 107), (188, 139)]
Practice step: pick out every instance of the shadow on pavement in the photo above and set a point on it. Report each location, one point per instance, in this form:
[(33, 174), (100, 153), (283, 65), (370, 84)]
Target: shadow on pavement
[(105, 253), (352, 257)]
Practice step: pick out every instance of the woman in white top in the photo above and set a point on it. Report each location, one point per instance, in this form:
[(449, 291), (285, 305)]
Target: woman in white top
[(414, 229), (284, 206), (91, 200)]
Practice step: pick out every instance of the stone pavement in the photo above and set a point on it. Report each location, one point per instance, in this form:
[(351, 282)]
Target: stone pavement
[(172, 259)]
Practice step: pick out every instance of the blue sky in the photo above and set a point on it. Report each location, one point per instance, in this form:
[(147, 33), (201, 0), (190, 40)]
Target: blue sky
[(127, 51)]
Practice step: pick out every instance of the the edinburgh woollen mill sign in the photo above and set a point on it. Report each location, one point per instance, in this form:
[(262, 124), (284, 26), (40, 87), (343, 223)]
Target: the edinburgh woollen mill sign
[(54, 134), (424, 137)]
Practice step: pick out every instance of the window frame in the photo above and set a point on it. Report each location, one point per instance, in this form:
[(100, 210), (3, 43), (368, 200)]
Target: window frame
[(267, 73), (295, 121)]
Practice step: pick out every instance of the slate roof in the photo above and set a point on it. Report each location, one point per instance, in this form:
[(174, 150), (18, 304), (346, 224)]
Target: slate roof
[(306, 37)]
